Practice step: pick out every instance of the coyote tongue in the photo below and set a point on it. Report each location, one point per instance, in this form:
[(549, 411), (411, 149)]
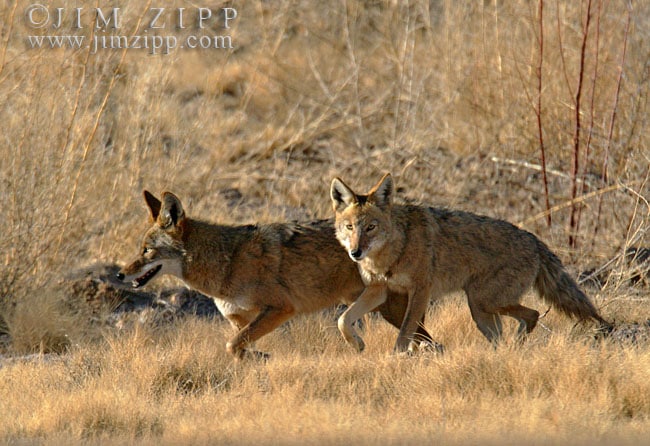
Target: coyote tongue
[(146, 277)]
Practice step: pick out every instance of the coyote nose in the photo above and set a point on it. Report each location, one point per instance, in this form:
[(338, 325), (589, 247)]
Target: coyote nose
[(120, 276), (356, 254)]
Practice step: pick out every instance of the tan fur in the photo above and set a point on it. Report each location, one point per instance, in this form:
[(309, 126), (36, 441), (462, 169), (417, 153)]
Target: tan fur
[(259, 275), (428, 252)]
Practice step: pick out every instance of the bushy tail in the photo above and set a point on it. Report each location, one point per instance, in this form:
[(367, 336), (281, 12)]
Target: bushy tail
[(557, 288)]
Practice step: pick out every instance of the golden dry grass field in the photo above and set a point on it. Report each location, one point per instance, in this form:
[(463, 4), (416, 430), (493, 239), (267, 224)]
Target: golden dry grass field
[(531, 111)]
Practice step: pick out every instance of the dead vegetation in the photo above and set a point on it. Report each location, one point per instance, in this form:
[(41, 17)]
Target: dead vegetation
[(456, 100)]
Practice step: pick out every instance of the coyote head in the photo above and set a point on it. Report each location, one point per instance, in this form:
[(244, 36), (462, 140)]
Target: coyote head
[(161, 250), (363, 222)]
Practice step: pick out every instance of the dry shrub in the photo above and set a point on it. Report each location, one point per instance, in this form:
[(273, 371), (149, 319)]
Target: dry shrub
[(44, 322)]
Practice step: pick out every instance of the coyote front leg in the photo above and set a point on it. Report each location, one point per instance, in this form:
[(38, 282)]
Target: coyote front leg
[(371, 298)]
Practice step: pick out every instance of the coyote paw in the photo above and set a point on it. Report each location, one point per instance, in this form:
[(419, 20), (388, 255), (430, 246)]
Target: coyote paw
[(241, 353), (355, 341), (360, 344), (415, 347), (251, 354), (349, 333), (427, 347), (257, 356)]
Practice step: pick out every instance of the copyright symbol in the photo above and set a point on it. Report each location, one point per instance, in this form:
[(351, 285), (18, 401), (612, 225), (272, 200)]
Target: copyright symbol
[(37, 16)]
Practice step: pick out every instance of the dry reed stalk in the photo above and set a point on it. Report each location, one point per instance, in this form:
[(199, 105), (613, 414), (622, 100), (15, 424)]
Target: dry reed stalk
[(538, 112), (573, 236), (605, 167), (591, 112)]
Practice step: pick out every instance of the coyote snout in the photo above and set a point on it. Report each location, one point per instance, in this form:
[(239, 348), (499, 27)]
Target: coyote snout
[(357, 254), (141, 276)]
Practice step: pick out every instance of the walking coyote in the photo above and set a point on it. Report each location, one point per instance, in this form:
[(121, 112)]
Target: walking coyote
[(427, 252)]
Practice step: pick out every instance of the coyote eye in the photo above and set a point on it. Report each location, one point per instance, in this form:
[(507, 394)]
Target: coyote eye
[(371, 226), (349, 227)]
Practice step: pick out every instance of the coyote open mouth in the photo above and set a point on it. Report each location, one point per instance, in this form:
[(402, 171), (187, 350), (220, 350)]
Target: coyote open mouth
[(146, 277)]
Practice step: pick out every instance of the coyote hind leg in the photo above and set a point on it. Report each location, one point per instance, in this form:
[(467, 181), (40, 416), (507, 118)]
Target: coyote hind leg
[(488, 323), (266, 321), (393, 311), (499, 293), (527, 317)]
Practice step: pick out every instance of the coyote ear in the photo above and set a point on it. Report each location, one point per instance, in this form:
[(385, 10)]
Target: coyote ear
[(382, 193), (171, 212), (342, 196), (153, 203)]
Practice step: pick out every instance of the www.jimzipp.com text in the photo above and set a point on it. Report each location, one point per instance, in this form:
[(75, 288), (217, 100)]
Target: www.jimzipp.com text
[(155, 44)]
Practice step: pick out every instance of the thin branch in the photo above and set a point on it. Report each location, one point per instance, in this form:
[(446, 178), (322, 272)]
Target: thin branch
[(559, 38), (573, 202), (75, 106), (591, 111), (604, 174), (91, 136), (538, 111), (10, 24), (578, 127), (531, 166)]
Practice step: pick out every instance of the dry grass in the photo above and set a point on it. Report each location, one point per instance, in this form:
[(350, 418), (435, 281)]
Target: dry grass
[(180, 386), (443, 95)]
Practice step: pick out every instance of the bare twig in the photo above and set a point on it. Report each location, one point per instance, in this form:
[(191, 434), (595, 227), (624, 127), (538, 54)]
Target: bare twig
[(531, 166), (91, 135), (604, 174), (538, 112), (353, 65), (561, 47), (638, 199), (591, 111), (73, 117), (576, 135), (10, 24), (572, 202)]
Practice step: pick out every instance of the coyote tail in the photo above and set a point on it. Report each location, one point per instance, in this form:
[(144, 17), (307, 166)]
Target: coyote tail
[(557, 288)]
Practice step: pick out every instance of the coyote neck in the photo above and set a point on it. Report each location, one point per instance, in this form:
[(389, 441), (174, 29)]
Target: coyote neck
[(378, 266), (209, 253)]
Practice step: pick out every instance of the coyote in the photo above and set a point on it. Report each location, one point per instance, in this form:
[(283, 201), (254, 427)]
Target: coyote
[(427, 252), (259, 275)]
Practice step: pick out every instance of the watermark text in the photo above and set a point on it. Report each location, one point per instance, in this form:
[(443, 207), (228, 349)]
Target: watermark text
[(161, 30)]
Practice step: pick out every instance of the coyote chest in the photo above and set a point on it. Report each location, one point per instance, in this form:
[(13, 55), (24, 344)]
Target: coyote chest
[(243, 301), (398, 282), (218, 286)]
